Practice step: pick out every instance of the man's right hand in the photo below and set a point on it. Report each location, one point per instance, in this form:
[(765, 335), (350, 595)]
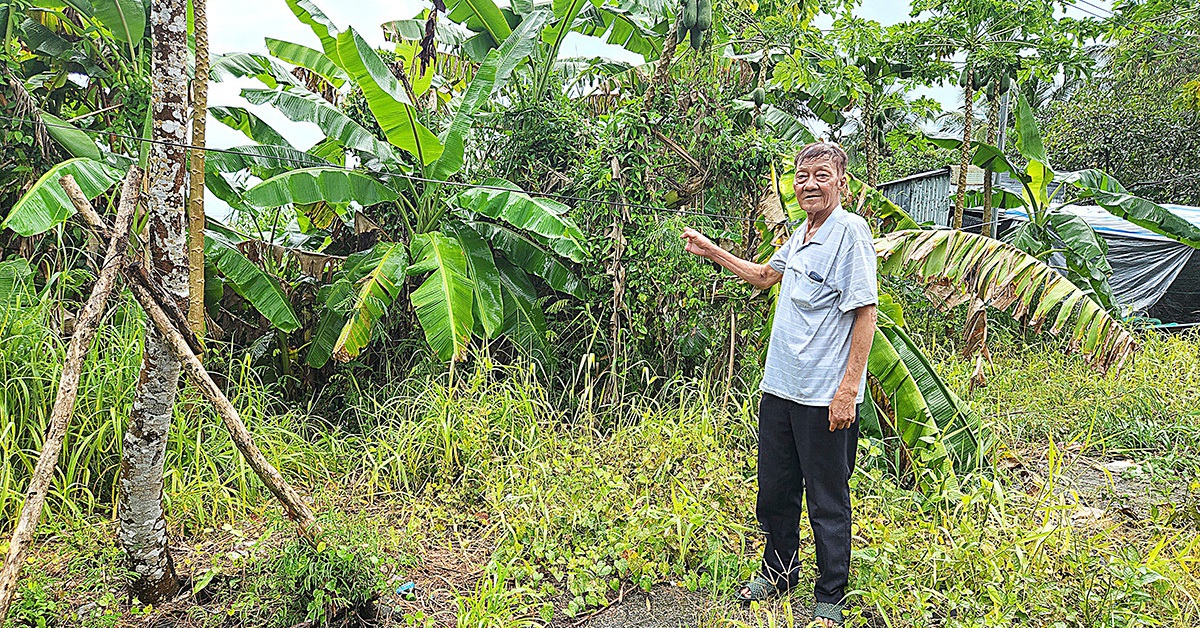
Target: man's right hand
[(697, 243)]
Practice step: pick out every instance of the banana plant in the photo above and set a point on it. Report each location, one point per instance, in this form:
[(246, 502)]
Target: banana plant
[(1051, 230), (636, 26), (470, 251)]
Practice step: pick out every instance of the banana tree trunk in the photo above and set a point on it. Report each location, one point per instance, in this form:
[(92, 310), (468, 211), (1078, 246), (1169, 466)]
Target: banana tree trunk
[(872, 149), (196, 176), (993, 128), (960, 196), (142, 527)]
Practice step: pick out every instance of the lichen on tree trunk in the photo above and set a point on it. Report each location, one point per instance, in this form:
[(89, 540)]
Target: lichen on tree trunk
[(142, 529)]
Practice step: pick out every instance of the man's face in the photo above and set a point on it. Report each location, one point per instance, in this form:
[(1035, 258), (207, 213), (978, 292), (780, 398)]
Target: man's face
[(818, 186)]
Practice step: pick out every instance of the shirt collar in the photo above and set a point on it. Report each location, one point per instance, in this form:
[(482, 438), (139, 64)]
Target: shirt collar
[(825, 229)]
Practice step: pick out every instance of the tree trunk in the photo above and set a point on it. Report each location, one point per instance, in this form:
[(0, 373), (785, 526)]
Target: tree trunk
[(872, 146), (196, 180), (142, 527), (960, 196), (993, 128)]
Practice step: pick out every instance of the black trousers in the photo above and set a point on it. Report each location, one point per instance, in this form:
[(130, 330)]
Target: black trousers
[(797, 454)]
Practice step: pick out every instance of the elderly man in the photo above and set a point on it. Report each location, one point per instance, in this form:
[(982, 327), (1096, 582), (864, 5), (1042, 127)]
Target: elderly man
[(815, 377)]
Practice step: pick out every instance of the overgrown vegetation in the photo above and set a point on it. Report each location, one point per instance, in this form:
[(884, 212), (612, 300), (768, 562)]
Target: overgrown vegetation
[(535, 503), (478, 200)]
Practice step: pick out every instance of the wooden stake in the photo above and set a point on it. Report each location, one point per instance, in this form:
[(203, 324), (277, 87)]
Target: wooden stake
[(170, 328), (68, 388)]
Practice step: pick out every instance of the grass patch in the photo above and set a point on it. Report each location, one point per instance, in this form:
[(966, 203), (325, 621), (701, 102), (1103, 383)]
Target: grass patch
[(507, 505)]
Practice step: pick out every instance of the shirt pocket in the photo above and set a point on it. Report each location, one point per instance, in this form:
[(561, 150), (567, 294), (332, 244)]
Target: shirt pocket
[(810, 287)]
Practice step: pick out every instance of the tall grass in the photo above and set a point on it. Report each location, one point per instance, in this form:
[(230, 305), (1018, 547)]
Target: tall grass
[(574, 494), (206, 478)]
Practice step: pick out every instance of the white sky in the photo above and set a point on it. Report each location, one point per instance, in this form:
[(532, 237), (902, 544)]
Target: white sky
[(241, 26)]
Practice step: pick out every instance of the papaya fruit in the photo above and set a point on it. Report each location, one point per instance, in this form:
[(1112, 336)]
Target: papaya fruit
[(758, 95), (697, 37), (1005, 83), (704, 14), (759, 123), (689, 14)]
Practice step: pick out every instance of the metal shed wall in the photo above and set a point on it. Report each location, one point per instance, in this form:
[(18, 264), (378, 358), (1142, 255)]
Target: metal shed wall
[(926, 199)]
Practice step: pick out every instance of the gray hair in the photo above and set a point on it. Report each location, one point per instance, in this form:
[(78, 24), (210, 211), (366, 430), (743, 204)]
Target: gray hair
[(822, 151)]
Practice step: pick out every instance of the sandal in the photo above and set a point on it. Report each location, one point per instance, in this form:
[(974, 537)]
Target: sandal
[(760, 589), (832, 612)]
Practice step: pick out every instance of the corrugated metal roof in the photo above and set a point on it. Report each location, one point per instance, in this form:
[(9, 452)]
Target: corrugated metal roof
[(912, 177)]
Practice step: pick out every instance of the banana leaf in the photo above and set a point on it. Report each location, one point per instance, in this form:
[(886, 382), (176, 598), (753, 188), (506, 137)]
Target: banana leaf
[(336, 186), (78, 143), (528, 254), (1010, 280), (444, 302), (1108, 193), (125, 19), (250, 281), (911, 418), (46, 205), (481, 16), (303, 106), (268, 71), (313, 60), (623, 24), (485, 279), (323, 27), (241, 119), (524, 321), (543, 217), (387, 99), (492, 75)]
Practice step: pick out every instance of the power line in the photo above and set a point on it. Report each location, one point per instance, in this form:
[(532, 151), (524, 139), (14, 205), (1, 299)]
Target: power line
[(402, 175)]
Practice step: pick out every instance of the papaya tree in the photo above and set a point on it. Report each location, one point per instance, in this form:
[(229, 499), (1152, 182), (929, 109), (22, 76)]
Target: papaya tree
[(471, 248)]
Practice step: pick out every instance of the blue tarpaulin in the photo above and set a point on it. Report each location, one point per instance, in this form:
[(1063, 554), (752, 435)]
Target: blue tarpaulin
[(1146, 266)]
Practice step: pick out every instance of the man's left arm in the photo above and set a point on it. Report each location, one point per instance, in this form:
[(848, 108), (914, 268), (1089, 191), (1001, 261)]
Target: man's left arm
[(857, 281), (842, 410)]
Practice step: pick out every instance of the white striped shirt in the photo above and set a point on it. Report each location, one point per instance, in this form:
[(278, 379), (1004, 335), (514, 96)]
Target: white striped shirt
[(824, 281)]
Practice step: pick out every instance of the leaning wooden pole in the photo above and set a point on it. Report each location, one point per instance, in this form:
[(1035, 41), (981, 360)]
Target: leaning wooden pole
[(68, 388), (293, 503)]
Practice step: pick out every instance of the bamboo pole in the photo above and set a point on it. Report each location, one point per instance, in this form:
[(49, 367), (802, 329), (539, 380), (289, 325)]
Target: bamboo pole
[(170, 329), (68, 388), (195, 211)]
